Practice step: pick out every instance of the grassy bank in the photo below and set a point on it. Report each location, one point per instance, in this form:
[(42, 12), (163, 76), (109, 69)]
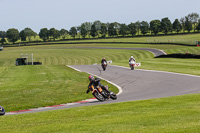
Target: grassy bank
[(175, 114), (24, 87)]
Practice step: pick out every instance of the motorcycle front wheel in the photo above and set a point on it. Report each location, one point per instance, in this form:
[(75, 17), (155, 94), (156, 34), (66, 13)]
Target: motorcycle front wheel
[(104, 68), (98, 96), (113, 96)]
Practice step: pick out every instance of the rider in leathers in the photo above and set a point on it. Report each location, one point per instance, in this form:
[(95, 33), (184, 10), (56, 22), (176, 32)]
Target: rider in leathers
[(95, 82), (132, 58), (102, 61)]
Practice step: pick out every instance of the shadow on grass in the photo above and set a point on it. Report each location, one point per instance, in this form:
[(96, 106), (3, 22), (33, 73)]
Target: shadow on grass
[(179, 55)]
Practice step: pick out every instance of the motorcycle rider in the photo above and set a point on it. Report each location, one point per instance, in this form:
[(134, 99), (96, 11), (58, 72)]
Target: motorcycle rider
[(2, 111), (102, 61), (95, 82), (131, 59)]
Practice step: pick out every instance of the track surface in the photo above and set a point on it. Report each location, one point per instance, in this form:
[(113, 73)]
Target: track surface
[(136, 85), (144, 84)]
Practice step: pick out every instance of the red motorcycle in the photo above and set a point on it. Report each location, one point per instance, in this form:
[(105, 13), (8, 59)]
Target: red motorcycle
[(132, 64)]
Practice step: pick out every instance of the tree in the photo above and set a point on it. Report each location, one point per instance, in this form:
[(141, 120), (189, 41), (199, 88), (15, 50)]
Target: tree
[(93, 31), (63, 33), (103, 30), (182, 20), (12, 35), (112, 30), (137, 24), (44, 34), (193, 17), (73, 32), (198, 26), (97, 27), (123, 29), (87, 26), (188, 24), (22, 35), (83, 31), (54, 33), (177, 26), (78, 28), (132, 29), (3, 37), (166, 25), (144, 27), (117, 28), (155, 26), (27, 33)]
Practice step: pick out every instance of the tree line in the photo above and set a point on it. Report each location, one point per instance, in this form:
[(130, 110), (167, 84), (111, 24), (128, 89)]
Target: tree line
[(99, 29)]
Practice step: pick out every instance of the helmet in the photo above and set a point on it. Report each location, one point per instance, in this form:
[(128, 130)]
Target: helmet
[(2, 111), (131, 56), (91, 77)]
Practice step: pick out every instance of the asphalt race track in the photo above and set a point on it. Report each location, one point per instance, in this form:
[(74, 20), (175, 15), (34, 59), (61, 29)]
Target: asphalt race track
[(145, 84), (133, 84)]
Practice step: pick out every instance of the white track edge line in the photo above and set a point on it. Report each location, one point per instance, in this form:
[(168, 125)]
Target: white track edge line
[(160, 71), (119, 88)]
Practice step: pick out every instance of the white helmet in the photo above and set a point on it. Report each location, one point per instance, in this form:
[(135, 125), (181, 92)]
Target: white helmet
[(131, 56)]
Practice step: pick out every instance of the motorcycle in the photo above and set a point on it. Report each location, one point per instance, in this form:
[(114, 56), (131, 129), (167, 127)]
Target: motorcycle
[(101, 94), (104, 65), (2, 111), (132, 64)]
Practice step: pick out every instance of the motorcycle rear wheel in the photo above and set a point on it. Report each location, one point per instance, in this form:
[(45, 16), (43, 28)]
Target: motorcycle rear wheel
[(104, 68)]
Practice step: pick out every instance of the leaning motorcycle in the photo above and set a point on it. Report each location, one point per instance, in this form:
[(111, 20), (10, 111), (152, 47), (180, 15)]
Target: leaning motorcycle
[(2, 110), (101, 94), (132, 64), (104, 65)]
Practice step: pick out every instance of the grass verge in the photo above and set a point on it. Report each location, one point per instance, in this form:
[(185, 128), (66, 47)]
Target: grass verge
[(174, 114)]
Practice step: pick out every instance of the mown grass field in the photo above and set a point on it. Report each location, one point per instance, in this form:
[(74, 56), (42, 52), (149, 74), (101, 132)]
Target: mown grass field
[(24, 87), (182, 39), (165, 115)]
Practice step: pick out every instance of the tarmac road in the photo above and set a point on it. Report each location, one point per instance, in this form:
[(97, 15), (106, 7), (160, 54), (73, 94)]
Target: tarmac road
[(145, 84)]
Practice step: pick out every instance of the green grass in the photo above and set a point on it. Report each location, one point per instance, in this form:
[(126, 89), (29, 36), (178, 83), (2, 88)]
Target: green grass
[(24, 87), (175, 114), (27, 87), (182, 39)]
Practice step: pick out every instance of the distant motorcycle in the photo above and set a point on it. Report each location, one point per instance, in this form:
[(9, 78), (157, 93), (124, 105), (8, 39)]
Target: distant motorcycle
[(2, 110), (104, 65), (101, 94), (132, 64)]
